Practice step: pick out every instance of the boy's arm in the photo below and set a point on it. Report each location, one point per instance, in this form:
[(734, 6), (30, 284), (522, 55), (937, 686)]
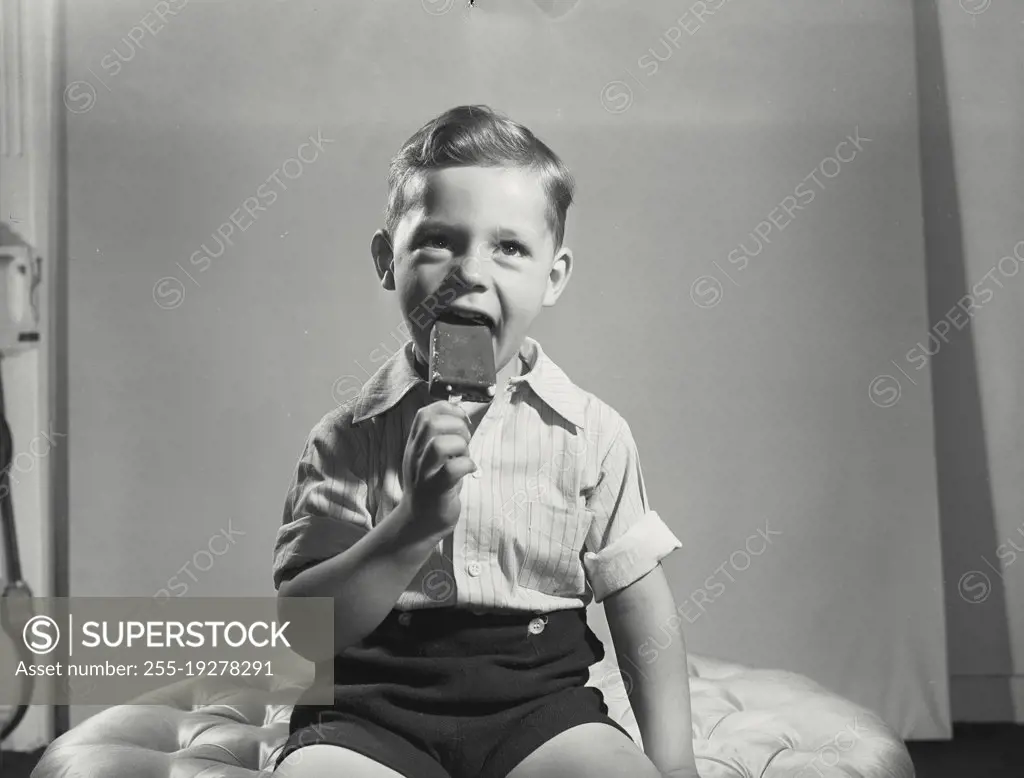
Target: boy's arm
[(328, 544), (365, 580), (660, 690), (625, 545)]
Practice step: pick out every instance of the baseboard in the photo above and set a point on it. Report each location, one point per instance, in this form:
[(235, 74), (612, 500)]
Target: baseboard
[(987, 698)]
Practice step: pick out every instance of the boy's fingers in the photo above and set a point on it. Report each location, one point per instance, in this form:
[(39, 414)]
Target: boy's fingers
[(450, 425), (441, 421), (427, 426), (443, 448), (454, 470), (445, 408)]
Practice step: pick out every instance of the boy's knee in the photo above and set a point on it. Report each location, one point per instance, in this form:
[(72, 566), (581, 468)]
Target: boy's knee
[(594, 749), (320, 760)]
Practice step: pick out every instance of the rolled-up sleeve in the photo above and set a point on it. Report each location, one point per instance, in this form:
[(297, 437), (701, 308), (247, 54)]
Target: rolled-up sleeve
[(325, 511), (626, 539)]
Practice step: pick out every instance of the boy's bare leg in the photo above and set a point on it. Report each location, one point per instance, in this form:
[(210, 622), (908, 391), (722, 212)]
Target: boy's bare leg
[(587, 751), (324, 761)]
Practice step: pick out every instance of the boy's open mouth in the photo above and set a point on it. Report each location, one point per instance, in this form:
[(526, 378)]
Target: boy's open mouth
[(461, 316)]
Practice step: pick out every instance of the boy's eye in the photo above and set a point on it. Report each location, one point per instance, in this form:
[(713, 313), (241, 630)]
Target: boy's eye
[(512, 248), (435, 242)]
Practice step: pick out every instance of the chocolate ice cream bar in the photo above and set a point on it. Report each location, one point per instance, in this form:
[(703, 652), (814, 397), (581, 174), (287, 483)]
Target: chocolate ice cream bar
[(461, 362)]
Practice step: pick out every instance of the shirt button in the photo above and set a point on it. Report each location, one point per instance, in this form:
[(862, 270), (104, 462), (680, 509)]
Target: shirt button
[(474, 568), (536, 626), (476, 473), (404, 618)]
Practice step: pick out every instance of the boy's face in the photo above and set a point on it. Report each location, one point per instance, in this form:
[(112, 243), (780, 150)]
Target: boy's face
[(476, 243)]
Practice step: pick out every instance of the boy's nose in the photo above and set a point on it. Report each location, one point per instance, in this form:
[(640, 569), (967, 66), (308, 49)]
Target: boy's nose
[(471, 268)]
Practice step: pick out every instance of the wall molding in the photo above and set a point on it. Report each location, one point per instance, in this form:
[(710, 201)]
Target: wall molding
[(12, 79)]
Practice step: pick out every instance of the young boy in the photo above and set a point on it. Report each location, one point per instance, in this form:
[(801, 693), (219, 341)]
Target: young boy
[(462, 542)]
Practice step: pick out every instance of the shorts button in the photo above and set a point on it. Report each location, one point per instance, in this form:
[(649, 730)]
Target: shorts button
[(536, 626), (474, 568), (404, 618)]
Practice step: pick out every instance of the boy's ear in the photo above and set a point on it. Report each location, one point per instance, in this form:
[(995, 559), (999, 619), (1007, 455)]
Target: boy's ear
[(558, 276), (383, 259)]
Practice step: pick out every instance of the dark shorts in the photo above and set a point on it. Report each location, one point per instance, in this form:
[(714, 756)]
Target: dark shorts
[(444, 692)]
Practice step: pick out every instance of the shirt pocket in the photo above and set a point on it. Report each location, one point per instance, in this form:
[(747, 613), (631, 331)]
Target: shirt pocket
[(547, 549)]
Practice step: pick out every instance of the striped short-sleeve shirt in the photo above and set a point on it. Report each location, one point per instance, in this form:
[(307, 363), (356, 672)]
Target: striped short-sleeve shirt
[(555, 516)]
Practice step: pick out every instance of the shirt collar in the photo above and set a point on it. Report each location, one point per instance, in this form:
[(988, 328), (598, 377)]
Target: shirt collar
[(551, 384), (385, 389), (398, 376)]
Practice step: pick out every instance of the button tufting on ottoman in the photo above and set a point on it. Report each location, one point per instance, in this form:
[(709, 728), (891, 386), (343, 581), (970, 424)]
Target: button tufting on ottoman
[(746, 723)]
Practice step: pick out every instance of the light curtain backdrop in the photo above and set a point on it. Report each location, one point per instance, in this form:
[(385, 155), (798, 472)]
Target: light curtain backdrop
[(746, 384)]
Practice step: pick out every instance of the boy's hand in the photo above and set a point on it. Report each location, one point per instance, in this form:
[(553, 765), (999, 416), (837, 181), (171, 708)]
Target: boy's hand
[(435, 462)]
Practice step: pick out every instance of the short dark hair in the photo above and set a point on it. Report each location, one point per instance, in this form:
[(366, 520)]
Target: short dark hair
[(476, 135)]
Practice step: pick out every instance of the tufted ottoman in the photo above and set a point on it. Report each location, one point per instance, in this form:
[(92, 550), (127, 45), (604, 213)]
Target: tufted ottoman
[(749, 723)]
